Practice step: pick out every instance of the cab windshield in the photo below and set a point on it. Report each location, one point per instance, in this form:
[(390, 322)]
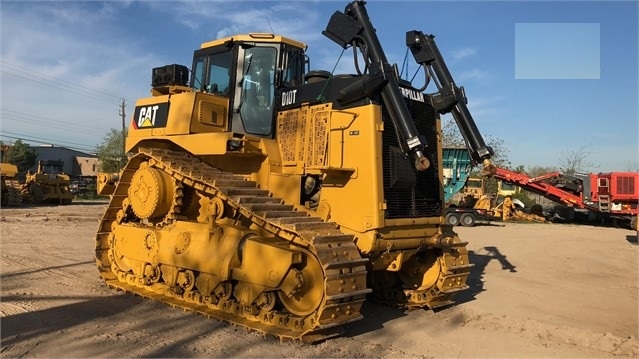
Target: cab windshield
[(474, 183)]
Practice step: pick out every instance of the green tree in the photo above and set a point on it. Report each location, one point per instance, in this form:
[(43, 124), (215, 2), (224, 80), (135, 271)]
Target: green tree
[(536, 171), (575, 160), (21, 155), (110, 152), (451, 137), (528, 198), (525, 198), (520, 169)]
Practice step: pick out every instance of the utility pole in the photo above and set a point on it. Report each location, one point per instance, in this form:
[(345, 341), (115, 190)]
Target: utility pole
[(123, 114)]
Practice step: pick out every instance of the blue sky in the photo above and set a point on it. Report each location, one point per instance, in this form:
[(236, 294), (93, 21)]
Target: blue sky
[(546, 77)]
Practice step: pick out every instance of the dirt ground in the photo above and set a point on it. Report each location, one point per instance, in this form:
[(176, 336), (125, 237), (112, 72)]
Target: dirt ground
[(537, 290)]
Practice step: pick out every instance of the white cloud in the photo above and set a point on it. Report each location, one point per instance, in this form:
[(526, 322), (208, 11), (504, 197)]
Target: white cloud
[(302, 22), (484, 108), (463, 53), (67, 70), (57, 51), (226, 18), (473, 74)]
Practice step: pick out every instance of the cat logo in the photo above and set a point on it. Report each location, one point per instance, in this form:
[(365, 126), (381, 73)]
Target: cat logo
[(147, 116), (151, 116)]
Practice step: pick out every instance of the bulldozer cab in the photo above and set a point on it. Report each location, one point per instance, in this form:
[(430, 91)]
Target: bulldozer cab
[(51, 167), (9, 188), (474, 187), (8, 170), (247, 70)]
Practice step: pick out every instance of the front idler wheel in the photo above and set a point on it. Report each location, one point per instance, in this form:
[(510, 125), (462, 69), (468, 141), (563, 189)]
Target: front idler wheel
[(307, 296)]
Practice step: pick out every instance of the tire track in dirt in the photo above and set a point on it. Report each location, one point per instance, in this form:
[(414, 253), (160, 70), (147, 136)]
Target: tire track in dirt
[(548, 335), (15, 265), (8, 309), (28, 319)]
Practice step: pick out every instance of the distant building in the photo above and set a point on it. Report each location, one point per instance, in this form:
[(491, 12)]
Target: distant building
[(81, 167), (85, 166), (76, 163)]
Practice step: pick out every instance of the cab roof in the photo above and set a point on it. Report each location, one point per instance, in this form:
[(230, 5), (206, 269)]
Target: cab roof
[(255, 37)]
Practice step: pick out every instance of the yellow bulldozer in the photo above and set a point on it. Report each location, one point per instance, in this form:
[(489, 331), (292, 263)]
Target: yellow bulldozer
[(505, 209), (278, 198), (10, 190), (49, 184)]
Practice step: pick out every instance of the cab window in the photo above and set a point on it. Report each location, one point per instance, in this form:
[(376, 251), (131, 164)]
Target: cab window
[(258, 89), (199, 68), (211, 73), (219, 66)]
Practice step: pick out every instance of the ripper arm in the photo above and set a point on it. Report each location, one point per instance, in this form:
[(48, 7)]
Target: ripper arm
[(353, 27), (449, 97)]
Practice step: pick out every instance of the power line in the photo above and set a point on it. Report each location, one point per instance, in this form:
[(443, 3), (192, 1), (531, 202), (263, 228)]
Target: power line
[(40, 78), (29, 119), (45, 139), (26, 123), (56, 80), (62, 87), (83, 147), (123, 114)]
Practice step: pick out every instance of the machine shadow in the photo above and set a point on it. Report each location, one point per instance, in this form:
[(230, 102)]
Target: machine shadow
[(25, 326), (489, 224), (97, 202), (632, 239), (9, 275), (475, 281), (375, 315), (27, 205)]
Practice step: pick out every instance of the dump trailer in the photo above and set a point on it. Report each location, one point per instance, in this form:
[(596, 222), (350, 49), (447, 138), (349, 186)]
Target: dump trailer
[(10, 190), (49, 184), (277, 198)]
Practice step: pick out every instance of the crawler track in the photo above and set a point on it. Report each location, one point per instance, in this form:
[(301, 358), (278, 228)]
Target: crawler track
[(14, 198), (444, 269), (343, 267)]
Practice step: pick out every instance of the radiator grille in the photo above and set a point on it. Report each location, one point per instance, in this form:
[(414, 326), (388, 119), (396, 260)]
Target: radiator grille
[(625, 185), (409, 193)]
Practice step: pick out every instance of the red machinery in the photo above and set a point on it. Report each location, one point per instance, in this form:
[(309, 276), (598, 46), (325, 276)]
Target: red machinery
[(613, 194)]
